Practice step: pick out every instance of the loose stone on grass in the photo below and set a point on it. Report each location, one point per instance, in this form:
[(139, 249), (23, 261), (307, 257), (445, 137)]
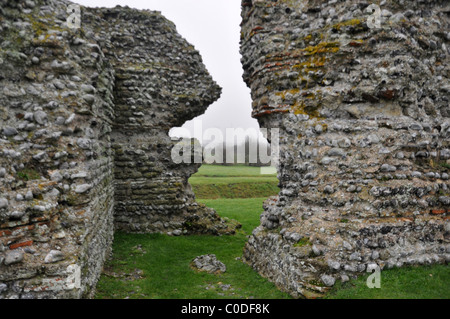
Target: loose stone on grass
[(208, 263)]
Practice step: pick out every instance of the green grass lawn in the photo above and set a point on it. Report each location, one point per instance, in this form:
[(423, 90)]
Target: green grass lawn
[(157, 266), (218, 181), (413, 282), (230, 171), (208, 180)]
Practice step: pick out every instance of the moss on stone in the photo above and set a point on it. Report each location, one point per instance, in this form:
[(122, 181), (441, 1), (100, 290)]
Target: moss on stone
[(28, 174), (322, 47), (302, 108), (303, 242), (351, 22)]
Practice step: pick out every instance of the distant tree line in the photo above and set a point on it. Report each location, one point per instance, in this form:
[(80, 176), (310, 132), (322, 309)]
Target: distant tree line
[(251, 152)]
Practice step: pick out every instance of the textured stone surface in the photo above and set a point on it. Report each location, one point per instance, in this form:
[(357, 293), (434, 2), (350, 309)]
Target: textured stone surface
[(208, 263), (162, 84), (169, 88), (52, 218), (364, 122), (84, 121)]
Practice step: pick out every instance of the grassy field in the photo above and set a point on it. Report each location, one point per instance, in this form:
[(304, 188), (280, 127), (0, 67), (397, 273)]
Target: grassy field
[(239, 181), (230, 171), (414, 282), (157, 266)]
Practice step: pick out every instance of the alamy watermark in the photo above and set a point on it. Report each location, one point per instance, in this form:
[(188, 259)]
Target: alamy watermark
[(374, 20), (230, 147), (74, 18), (374, 280)]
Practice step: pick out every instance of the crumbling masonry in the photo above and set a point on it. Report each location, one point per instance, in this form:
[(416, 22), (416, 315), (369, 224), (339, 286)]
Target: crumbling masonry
[(360, 93), (84, 148)]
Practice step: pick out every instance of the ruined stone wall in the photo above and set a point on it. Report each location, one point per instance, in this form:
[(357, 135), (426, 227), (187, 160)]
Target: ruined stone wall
[(57, 167), (84, 121), (364, 123), (160, 83)]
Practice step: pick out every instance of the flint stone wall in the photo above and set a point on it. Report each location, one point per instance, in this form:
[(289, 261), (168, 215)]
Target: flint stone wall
[(84, 121), (364, 123)]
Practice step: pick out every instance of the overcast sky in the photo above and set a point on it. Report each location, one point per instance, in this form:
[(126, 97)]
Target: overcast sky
[(212, 26)]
